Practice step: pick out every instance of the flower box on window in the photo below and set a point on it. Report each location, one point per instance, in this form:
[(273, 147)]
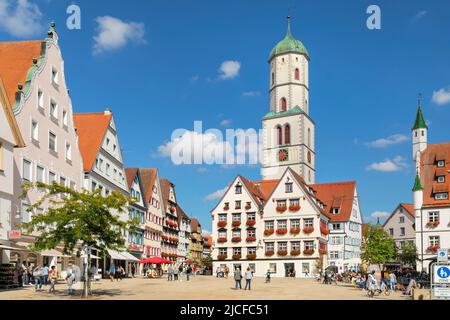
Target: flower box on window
[(237, 257), (226, 208), (308, 252), (324, 230), (172, 210), (295, 231), (251, 256), (281, 209), (248, 207), (281, 231), (294, 208), (433, 248), (222, 224), (221, 257), (323, 251), (236, 239), (221, 240), (250, 239), (282, 253), (433, 224), (269, 232), (236, 223), (295, 253), (251, 223), (270, 253), (308, 230)]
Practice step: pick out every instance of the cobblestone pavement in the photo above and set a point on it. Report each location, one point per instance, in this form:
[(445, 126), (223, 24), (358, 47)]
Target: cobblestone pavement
[(202, 288)]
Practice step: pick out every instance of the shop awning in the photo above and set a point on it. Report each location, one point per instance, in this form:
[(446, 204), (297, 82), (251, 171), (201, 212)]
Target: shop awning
[(129, 256), (4, 247), (53, 253), (115, 255)]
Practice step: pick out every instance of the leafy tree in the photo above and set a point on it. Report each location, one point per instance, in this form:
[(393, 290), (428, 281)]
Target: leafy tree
[(75, 219), (378, 247), (207, 262), (408, 255)]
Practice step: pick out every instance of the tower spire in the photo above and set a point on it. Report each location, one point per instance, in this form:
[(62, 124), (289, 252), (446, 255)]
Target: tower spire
[(289, 34), (420, 121)]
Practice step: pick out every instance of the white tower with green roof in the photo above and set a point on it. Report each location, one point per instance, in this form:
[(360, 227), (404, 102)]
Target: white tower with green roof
[(289, 138), (419, 134)]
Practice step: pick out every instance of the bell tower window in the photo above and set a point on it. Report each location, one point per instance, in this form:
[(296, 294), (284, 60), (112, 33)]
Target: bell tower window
[(279, 136), (297, 74), (273, 78), (283, 104), (287, 134)]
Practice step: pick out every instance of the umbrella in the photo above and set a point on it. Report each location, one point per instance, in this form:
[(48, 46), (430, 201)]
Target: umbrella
[(155, 260)]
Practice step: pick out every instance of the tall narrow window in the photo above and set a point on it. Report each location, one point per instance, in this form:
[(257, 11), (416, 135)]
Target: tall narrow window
[(309, 137), (273, 78), (68, 151), (287, 134), (40, 99), (297, 74), (65, 118), (26, 170), (1, 157), (52, 141), (34, 130), (283, 104), (279, 136)]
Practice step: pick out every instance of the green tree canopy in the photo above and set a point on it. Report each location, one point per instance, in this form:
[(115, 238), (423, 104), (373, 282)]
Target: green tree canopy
[(378, 247), (75, 218), (408, 254)]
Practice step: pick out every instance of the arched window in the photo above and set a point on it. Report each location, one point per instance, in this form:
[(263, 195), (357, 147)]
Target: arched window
[(279, 135), (297, 74), (273, 78), (309, 175), (283, 104), (309, 137), (287, 134)]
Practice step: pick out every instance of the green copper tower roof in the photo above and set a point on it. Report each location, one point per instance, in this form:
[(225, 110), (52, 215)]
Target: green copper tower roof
[(417, 184), (289, 45), (420, 121)]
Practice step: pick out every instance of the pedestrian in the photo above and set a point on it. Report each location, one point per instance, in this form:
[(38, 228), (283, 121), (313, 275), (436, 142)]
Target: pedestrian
[(20, 278), (38, 275), (217, 272), (45, 270), (175, 273), (268, 276), (169, 273), (26, 280), (194, 271), (238, 278), (227, 271), (181, 272), (133, 270), (118, 273), (188, 272), (392, 281), (70, 278), (53, 276), (112, 271), (248, 279)]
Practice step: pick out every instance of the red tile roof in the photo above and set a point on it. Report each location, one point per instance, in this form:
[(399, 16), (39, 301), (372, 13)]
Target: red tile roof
[(148, 178), (130, 173), (195, 224), (16, 59), (254, 191), (337, 195), (165, 190), (91, 129), (409, 208), (429, 169), (266, 187)]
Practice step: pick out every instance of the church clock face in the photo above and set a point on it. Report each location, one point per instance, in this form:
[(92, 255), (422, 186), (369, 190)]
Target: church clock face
[(283, 155)]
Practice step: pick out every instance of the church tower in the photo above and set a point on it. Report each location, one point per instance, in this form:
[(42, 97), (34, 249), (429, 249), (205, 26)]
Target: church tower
[(419, 134), (289, 132)]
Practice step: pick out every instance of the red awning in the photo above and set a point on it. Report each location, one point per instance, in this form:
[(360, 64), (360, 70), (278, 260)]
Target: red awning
[(156, 260)]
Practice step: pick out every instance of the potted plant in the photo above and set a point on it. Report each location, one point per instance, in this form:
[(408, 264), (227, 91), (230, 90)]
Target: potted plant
[(432, 224), (281, 209), (282, 253), (236, 239), (251, 256), (295, 252), (237, 257), (236, 223), (270, 253), (269, 232), (433, 248), (281, 231), (221, 257), (221, 240), (295, 231), (308, 230), (251, 223), (222, 224), (248, 207), (294, 208), (308, 252), (250, 239), (226, 207), (324, 230)]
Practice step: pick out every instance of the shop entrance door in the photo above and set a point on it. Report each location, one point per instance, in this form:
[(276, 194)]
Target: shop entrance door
[(289, 270)]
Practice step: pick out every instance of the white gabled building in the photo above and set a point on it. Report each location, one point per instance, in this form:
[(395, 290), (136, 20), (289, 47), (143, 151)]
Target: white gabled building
[(431, 194), (400, 225), (342, 206)]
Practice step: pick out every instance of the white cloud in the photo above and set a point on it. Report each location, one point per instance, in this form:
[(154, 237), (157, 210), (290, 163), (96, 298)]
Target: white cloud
[(226, 122), (229, 69), (251, 94), (379, 215), (420, 14), (20, 18), (389, 141), (396, 164), (114, 34), (205, 233), (441, 97), (216, 195)]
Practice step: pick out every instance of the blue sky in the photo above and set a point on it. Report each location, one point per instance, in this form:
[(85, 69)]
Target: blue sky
[(158, 70)]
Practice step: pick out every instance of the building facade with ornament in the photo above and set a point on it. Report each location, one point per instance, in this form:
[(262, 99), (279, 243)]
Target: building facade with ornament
[(184, 235), (281, 223), (431, 194), (171, 228)]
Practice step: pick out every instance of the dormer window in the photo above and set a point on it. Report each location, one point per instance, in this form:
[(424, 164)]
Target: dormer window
[(441, 196), (441, 179), (441, 164), (336, 210), (289, 188), (238, 189)]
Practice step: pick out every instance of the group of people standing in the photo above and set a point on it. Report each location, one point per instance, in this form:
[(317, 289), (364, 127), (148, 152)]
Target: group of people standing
[(238, 278), (116, 273), (177, 273), (39, 276)]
